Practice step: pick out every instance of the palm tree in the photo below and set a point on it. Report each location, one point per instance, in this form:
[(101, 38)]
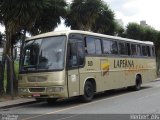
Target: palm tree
[(48, 21), (81, 14), (105, 22), (23, 15)]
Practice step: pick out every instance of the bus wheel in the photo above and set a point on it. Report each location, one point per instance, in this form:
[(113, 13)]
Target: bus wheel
[(88, 92), (51, 100), (138, 83)]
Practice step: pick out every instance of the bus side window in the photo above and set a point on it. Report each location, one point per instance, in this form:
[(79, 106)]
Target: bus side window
[(128, 50), (106, 46), (144, 51), (72, 55), (123, 48), (139, 53), (81, 54), (90, 45), (98, 46), (133, 49), (148, 51), (93, 46), (114, 47)]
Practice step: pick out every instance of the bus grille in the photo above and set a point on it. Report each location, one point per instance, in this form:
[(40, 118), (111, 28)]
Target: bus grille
[(37, 89), (37, 78)]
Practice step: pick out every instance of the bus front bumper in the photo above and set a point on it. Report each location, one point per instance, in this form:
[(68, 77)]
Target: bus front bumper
[(43, 92)]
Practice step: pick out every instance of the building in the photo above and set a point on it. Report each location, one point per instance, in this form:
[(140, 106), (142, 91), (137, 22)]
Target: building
[(143, 23)]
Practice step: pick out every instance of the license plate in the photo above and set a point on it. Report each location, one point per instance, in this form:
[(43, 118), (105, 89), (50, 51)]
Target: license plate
[(36, 95)]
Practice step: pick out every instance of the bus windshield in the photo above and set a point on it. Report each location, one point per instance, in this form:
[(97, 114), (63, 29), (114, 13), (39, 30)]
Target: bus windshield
[(44, 54)]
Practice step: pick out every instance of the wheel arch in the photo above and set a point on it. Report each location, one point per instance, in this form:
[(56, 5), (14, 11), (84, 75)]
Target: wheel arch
[(92, 80), (138, 75)]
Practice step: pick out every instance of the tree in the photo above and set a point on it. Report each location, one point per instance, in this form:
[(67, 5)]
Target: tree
[(119, 30), (135, 31), (1, 67), (82, 14), (21, 15), (105, 22), (49, 18)]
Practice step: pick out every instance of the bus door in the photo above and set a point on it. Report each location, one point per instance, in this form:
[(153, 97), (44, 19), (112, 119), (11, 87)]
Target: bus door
[(75, 60)]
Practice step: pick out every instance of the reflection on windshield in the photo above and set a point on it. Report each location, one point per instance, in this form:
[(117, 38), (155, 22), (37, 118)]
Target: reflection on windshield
[(44, 54)]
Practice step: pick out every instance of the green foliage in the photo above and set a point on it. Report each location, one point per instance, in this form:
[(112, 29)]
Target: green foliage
[(34, 16), (82, 14), (135, 31), (104, 23), (119, 30), (37, 16), (144, 33), (49, 17)]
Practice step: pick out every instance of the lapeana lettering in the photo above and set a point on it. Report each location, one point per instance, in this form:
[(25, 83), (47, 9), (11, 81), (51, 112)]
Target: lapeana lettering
[(123, 63)]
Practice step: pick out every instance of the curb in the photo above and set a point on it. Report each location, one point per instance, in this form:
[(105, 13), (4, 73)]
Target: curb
[(18, 104)]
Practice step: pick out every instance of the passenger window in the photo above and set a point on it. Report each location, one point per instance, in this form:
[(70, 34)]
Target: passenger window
[(81, 55), (133, 49), (139, 50), (114, 47), (144, 51), (90, 44), (148, 51), (123, 48), (93, 46), (98, 47), (128, 51), (72, 55), (76, 54), (106, 47)]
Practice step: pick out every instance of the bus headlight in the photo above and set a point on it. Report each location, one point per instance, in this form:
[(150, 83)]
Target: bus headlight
[(55, 89), (22, 90)]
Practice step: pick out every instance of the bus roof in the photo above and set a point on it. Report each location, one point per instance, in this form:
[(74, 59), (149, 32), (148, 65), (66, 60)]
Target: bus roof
[(66, 32)]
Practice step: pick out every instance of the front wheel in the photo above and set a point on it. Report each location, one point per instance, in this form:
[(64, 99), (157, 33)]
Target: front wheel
[(88, 92)]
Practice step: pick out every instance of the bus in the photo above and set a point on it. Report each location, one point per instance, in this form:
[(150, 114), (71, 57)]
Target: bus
[(64, 64)]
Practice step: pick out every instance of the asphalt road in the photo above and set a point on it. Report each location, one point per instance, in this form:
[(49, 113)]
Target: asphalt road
[(118, 104)]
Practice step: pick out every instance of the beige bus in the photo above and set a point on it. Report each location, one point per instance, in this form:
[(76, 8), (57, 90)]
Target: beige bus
[(79, 63)]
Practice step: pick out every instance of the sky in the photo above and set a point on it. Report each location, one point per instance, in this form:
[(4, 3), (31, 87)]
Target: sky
[(133, 11)]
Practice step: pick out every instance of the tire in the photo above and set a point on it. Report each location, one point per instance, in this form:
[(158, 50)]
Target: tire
[(51, 100), (138, 83), (88, 92)]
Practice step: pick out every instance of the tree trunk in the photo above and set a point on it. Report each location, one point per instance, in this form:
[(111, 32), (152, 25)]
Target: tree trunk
[(15, 81), (9, 64), (157, 59), (2, 71), (21, 48), (1, 79)]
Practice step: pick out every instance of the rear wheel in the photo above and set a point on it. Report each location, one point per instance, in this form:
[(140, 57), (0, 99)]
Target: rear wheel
[(138, 83), (88, 92)]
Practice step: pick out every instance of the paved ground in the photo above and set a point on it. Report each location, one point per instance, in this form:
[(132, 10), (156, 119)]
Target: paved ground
[(15, 102), (145, 101)]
